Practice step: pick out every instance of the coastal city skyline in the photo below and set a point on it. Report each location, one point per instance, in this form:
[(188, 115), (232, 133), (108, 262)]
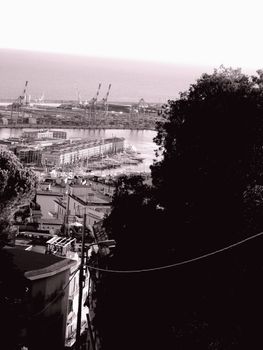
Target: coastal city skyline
[(131, 174)]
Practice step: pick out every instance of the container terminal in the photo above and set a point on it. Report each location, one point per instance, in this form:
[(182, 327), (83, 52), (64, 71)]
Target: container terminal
[(91, 114)]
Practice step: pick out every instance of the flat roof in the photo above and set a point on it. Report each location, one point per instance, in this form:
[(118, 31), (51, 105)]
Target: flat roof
[(36, 265), (84, 200), (81, 144)]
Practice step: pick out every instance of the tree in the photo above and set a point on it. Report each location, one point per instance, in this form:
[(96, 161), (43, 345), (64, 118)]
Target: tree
[(17, 185), (134, 221), (207, 193), (124, 304), (211, 146)]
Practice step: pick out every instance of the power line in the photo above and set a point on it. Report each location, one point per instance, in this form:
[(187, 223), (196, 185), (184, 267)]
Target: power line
[(184, 262), (179, 263), (60, 293)]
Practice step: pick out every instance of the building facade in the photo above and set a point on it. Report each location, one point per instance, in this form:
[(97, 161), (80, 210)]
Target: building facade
[(29, 155), (42, 307), (66, 247), (81, 150), (45, 134)]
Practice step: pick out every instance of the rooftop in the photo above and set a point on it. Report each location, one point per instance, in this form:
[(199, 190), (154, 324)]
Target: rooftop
[(91, 200), (80, 144), (36, 265)]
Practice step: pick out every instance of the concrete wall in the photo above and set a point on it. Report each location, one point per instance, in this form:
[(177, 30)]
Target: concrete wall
[(47, 204), (53, 228), (94, 213), (106, 189)]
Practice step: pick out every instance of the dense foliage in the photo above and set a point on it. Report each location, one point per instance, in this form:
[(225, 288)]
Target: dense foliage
[(206, 193), (135, 221), (211, 142), (17, 186)]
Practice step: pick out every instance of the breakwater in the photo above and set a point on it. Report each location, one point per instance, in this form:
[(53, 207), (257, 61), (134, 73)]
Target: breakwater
[(86, 127)]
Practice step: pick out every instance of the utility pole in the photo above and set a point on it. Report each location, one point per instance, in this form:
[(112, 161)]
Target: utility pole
[(66, 217), (80, 285)]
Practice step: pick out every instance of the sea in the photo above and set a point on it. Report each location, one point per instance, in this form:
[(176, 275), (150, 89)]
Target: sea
[(62, 77)]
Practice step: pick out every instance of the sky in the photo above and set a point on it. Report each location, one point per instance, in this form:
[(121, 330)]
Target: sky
[(203, 32)]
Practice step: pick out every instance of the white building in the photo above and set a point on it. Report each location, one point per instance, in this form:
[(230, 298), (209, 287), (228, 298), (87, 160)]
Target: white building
[(45, 134), (65, 247), (81, 199), (53, 225), (80, 150)]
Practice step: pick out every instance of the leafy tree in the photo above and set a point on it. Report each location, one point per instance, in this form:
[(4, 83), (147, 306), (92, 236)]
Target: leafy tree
[(135, 220), (207, 193), (123, 301), (211, 145), (17, 186)]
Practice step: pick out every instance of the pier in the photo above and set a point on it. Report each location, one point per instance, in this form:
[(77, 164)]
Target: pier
[(58, 117)]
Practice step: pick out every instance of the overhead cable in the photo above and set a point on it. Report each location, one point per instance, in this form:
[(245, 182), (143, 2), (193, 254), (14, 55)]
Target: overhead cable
[(184, 262)]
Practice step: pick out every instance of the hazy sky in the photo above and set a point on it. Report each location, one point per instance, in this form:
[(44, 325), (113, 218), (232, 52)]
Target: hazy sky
[(207, 32)]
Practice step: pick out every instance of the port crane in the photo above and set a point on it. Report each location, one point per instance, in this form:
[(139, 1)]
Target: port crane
[(93, 101), (142, 106), (40, 99), (104, 101), (22, 100)]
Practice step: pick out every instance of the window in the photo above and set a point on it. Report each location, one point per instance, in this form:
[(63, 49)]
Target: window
[(70, 305), (74, 285)]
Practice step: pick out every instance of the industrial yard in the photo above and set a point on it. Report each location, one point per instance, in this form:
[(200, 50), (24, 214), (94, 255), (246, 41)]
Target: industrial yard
[(96, 113)]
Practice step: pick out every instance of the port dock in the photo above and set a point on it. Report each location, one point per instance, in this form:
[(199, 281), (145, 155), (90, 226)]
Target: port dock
[(61, 117)]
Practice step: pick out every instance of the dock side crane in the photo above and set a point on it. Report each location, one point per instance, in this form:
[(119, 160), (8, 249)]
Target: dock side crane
[(20, 101), (142, 106), (93, 102), (104, 101)]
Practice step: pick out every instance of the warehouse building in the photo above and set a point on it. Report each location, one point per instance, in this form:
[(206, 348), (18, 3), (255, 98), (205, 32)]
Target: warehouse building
[(81, 150)]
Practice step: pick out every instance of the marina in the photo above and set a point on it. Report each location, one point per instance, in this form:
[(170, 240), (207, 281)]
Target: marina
[(43, 133), (140, 140)]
